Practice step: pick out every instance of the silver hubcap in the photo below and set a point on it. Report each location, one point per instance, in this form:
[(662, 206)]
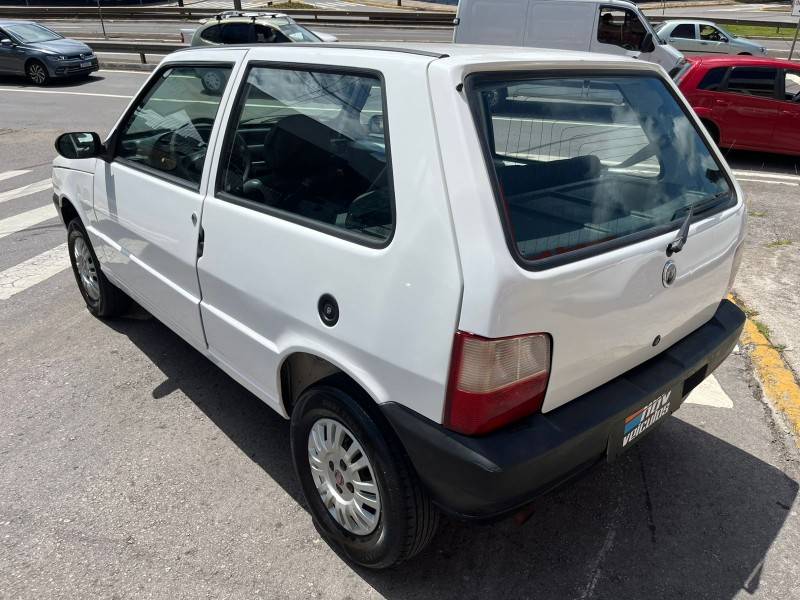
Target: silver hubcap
[(86, 269), (37, 73), (212, 81), (344, 477)]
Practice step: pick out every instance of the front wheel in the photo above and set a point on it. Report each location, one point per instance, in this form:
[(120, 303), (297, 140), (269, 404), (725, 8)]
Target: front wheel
[(362, 492), (37, 72), (103, 298)]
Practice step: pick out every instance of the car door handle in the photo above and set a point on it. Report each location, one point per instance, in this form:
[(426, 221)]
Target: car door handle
[(194, 218)]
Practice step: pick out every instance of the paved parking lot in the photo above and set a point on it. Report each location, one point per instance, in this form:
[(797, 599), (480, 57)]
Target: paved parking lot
[(130, 467)]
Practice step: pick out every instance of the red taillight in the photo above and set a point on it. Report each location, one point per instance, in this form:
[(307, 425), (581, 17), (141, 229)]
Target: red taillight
[(495, 381)]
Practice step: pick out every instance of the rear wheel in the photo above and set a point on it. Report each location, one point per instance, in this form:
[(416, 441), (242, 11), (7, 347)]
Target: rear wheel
[(37, 72), (103, 298), (362, 492)]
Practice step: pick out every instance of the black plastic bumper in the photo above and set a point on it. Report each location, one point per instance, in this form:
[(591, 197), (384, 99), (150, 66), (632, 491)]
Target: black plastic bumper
[(485, 477)]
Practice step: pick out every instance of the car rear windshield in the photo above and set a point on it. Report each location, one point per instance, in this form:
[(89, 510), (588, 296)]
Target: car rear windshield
[(584, 164)]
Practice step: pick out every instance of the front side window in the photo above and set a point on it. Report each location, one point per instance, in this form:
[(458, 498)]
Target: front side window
[(713, 79), (753, 81), (711, 34), (620, 27), (684, 31), (29, 33), (171, 125), (269, 35), (298, 34), (312, 147), (584, 161), (791, 86)]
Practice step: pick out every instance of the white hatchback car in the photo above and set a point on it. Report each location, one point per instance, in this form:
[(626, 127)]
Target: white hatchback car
[(466, 274)]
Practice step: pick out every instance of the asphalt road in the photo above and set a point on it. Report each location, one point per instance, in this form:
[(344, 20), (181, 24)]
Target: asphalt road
[(130, 467)]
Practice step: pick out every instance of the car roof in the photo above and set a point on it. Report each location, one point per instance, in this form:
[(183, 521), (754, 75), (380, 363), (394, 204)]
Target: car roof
[(689, 22), (456, 55), (731, 60)]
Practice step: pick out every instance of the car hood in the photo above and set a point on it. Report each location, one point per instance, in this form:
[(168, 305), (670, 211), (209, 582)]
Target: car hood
[(744, 42), (61, 46)]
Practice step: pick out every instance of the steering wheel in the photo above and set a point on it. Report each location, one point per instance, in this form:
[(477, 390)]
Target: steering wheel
[(796, 97), (181, 154)]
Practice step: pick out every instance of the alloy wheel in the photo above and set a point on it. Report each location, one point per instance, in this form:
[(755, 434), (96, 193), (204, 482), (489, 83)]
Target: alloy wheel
[(344, 477), (87, 270), (37, 73)]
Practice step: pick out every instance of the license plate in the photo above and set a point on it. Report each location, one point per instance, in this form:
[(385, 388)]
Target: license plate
[(633, 427), (86, 64)]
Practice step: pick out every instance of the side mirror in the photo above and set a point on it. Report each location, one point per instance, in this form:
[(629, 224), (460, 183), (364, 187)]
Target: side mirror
[(6, 43), (647, 45), (84, 144)]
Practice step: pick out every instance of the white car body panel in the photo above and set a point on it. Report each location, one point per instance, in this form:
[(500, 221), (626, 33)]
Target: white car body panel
[(252, 300), (562, 24)]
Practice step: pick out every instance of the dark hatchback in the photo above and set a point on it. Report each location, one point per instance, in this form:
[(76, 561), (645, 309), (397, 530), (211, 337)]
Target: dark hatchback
[(41, 54)]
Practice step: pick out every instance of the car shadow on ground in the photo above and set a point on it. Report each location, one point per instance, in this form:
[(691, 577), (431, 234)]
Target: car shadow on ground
[(61, 83), (683, 514), (758, 161)]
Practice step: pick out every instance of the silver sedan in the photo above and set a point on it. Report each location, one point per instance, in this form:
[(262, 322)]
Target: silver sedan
[(707, 38)]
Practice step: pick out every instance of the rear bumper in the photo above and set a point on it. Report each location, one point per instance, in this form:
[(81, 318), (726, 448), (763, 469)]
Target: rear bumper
[(489, 476)]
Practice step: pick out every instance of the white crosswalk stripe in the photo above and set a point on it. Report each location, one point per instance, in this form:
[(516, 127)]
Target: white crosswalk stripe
[(35, 270), (26, 220), (10, 174), (710, 393), (26, 190)]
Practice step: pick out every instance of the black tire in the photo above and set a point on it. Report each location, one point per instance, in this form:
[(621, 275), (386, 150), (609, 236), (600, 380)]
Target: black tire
[(407, 519), (36, 72), (110, 301)]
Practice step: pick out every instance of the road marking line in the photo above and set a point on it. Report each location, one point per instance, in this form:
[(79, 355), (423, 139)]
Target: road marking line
[(10, 174), (5, 89), (26, 220), (777, 380), (710, 393), (768, 181), (26, 190), (766, 175), (26, 274)]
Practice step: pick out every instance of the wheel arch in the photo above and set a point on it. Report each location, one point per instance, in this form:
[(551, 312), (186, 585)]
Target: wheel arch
[(302, 368), (67, 210)]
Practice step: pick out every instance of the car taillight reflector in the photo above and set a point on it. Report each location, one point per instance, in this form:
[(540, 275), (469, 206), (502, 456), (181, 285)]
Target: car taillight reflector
[(495, 381)]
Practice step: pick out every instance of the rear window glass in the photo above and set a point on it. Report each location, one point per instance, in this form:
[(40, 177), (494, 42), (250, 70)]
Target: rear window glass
[(582, 162), (753, 81), (713, 79)]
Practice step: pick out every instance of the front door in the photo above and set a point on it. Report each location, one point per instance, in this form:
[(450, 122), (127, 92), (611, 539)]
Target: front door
[(787, 136), (619, 31), (713, 41), (148, 199), (684, 37), (748, 108), (11, 57)]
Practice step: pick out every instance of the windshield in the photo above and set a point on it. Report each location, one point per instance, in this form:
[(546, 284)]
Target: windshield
[(297, 34), (581, 162), (28, 33)]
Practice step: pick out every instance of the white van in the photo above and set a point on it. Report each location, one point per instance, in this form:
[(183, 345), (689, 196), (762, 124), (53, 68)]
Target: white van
[(465, 274), (610, 27)]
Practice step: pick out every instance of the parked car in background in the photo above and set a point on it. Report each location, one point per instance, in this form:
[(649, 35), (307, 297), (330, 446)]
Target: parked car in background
[(41, 54), (745, 102), (240, 27), (707, 38), (610, 27), (466, 274)]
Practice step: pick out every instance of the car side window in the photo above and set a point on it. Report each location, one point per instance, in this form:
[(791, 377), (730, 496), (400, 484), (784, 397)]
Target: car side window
[(711, 34), (269, 35), (170, 127), (236, 33), (713, 79), (211, 34), (753, 81), (312, 147), (620, 27), (791, 86), (683, 31)]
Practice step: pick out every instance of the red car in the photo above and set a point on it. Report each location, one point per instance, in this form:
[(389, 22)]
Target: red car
[(746, 102)]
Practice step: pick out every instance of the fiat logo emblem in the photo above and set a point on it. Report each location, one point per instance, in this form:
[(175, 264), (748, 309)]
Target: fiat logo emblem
[(669, 274)]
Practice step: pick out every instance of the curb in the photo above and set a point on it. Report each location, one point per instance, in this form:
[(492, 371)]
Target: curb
[(777, 380)]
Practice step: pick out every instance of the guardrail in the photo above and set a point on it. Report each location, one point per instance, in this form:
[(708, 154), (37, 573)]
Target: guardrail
[(343, 17), (140, 48)]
